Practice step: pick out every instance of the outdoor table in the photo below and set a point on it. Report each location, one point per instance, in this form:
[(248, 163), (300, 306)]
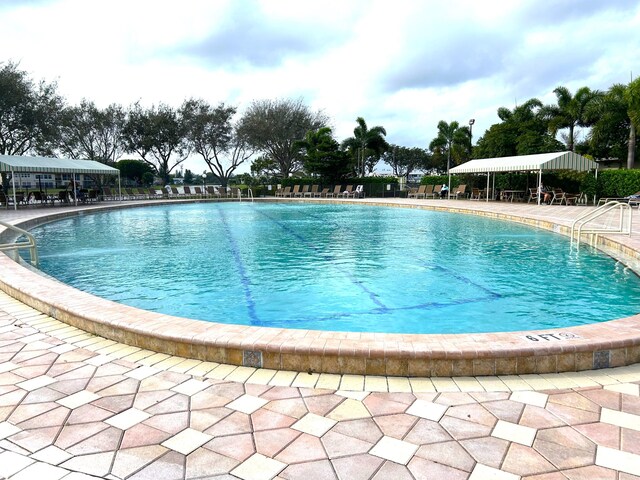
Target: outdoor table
[(510, 194)]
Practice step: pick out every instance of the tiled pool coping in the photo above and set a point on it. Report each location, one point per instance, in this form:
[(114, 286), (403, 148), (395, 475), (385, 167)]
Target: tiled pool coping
[(608, 344)]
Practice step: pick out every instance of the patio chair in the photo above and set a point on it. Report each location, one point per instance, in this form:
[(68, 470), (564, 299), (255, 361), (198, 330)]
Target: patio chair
[(461, 191), (313, 192), (422, 190), (336, 191), (323, 193), (286, 192), (187, 192), (435, 193), (296, 191), (358, 192), (198, 192), (213, 191), (348, 191), (303, 192)]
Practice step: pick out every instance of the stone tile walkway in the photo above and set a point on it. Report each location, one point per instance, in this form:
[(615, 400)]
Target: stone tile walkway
[(75, 406)]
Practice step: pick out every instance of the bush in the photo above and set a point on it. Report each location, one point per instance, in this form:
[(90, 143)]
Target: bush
[(618, 183)]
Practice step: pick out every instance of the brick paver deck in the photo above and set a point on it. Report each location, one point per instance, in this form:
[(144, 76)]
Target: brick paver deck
[(76, 406)]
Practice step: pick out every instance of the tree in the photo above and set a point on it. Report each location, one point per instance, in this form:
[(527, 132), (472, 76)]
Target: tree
[(29, 113), (570, 112), (133, 170), (158, 136), (189, 177), (264, 166), (452, 143), (404, 160), (323, 156), (215, 138), (366, 146), (632, 97), (274, 126), (613, 132), (90, 133), (523, 131)]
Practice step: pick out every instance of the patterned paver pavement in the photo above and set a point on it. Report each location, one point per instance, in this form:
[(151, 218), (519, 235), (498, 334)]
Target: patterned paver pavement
[(75, 406)]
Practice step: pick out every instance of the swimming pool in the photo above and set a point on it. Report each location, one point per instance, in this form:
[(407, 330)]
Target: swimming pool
[(337, 267)]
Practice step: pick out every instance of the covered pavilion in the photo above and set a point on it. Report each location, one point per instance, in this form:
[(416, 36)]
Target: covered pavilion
[(527, 163), (16, 164)]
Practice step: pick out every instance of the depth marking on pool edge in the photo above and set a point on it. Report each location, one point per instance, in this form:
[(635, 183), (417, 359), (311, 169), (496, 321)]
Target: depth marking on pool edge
[(244, 278)]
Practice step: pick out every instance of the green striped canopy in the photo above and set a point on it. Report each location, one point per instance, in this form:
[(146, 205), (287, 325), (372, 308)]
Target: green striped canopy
[(543, 161), (15, 163)]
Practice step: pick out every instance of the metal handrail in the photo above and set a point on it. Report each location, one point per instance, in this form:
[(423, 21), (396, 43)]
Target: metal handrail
[(30, 243), (587, 217), (250, 194)]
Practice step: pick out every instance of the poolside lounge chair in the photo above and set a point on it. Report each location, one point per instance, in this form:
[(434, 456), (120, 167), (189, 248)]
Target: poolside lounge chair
[(213, 191), (131, 195), (107, 194), (323, 193), (348, 191), (312, 192), (336, 191), (301, 193), (460, 191), (358, 192), (198, 191), (286, 192), (422, 189), (187, 192), (435, 193)]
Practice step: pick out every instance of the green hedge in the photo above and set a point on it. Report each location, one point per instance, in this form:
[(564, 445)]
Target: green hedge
[(618, 183)]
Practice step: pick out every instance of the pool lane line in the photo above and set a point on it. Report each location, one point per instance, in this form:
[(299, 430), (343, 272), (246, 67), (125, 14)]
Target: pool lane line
[(372, 295), (462, 278), (244, 277)]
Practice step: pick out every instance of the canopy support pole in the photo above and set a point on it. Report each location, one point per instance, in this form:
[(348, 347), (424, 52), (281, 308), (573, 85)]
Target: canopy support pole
[(539, 184), (119, 188), (13, 184), (487, 190), (75, 190)]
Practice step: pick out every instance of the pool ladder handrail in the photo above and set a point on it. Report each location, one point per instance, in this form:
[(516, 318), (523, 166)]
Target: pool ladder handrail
[(249, 194), (30, 243), (582, 220)]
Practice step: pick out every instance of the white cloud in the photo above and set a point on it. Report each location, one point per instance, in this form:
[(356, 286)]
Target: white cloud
[(404, 65)]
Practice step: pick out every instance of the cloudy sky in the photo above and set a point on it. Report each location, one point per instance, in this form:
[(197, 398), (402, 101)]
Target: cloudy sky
[(402, 64)]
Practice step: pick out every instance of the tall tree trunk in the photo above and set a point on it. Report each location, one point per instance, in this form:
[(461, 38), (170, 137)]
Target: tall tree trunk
[(571, 138), (631, 153)]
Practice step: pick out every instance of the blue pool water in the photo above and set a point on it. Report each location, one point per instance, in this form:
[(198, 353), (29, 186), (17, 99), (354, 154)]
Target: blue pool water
[(337, 267)]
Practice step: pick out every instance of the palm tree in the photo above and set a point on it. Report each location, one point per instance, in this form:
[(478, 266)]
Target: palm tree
[(632, 97), (365, 143), (616, 118), (450, 136), (570, 111)]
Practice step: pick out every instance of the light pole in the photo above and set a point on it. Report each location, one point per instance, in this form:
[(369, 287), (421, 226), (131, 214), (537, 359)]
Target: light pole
[(471, 122)]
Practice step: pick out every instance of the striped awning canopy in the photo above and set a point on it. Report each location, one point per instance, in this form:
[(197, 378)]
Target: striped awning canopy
[(15, 163), (543, 161)]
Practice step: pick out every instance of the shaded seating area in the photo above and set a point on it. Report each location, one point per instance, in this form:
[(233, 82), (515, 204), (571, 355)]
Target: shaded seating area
[(15, 164), (524, 163)]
